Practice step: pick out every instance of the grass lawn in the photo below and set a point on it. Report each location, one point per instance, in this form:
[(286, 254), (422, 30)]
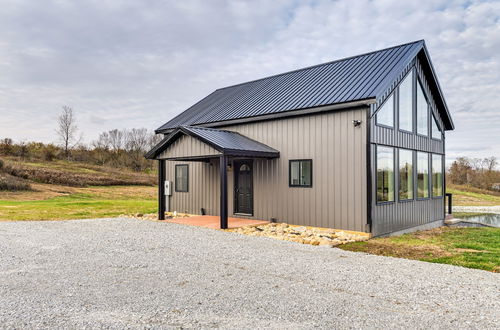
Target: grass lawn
[(466, 196), (468, 247), (59, 202)]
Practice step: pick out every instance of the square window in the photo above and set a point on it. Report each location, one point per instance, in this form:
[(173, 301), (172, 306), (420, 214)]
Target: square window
[(300, 173), (181, 178)]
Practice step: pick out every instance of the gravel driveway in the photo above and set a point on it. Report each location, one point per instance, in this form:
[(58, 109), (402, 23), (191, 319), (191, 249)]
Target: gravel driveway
[(136, 273)]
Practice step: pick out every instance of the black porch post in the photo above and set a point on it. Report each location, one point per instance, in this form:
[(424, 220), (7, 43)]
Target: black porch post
[(161, 189), (223, 192)]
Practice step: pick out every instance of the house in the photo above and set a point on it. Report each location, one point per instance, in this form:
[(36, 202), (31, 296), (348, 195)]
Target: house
[(355, 144)]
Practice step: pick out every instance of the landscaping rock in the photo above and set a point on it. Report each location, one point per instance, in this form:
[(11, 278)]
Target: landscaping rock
[(301, 234)]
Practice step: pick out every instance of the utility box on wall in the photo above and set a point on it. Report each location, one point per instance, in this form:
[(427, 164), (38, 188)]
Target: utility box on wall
[(168, 188)]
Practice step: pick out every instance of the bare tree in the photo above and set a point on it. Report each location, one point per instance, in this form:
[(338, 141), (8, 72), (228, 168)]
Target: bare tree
[(116, 139), (67, 129)]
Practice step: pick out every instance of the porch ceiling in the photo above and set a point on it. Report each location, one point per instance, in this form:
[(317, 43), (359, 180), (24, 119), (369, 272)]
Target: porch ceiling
[(225, 142)]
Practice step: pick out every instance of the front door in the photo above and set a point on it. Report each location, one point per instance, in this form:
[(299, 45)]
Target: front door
[(243, 186)]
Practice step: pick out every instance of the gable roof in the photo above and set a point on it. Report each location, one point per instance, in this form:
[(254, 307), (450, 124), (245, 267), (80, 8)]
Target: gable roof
[(359, 78), (227, 142)]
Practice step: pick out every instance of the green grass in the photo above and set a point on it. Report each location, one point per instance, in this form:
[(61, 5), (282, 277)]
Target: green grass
[(99, 203), (467, 247), (463, 196)]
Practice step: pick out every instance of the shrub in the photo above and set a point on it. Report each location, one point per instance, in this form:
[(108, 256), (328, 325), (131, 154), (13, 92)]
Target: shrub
[(9, 183)]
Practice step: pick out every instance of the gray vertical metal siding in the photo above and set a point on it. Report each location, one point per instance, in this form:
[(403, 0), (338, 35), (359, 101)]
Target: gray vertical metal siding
[(338, 150), (203, 191), (188, 146), (391, 217)]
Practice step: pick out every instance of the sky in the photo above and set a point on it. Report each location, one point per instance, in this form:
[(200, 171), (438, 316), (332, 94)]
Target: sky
[(124, 64)]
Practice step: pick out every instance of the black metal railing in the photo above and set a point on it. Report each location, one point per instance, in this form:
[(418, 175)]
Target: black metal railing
[(449, 201)]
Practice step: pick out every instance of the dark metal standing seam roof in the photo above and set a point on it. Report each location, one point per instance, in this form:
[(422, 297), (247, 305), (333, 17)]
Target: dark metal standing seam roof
[(361, 77), (227, 142)]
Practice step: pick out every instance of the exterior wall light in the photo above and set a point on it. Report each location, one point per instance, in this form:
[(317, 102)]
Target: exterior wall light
[(356, 123)]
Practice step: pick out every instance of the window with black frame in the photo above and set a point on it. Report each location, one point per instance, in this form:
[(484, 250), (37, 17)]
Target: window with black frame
[(181, 178), (437, 175), (385, 115), (405, 174), (422, 175), (385, 174), (300, 171)]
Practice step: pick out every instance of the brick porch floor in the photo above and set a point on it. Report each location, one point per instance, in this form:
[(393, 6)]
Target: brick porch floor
[(212, 221)]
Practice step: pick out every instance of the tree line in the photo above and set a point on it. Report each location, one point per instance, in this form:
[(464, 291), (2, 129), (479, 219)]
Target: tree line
[(475, 172), (118, 148)]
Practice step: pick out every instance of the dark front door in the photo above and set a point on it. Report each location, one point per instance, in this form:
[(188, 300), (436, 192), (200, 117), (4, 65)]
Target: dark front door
[(243, 186)]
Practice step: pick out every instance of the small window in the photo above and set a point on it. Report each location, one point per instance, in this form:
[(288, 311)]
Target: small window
[(405, 174), (422, 112), (406, 103), (422, 175), (385, 116), (436, 132), (181, 178), (385, 174), (300, 173), (437, 175)]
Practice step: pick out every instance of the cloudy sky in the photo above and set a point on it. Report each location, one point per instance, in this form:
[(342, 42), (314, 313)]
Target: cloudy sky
[(124, 64)]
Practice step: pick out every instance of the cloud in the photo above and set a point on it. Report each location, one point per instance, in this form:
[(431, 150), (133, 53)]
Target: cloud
[(130, 64)]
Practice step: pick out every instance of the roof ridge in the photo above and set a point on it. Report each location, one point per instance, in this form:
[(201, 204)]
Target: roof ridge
[(322, 64), (206, 128)]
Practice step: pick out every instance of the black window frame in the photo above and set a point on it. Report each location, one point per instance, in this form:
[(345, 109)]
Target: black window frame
[(290, 161), (427, 100), (394, 111), (187, 177), (429, 177), (394, 175), (413, 102), (432, 176), (433, 117), (412, 174)]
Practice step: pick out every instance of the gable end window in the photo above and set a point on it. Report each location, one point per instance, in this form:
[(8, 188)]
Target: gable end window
[(406, 103), (181, 178), (385, 116), (385, 174), (422, 112), (436, 132), (300, 173)]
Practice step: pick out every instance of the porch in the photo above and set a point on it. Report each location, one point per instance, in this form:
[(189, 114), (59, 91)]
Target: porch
[(214, 148), (213, 222)]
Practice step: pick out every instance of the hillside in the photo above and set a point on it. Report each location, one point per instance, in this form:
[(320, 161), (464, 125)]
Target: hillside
[(43, 190)]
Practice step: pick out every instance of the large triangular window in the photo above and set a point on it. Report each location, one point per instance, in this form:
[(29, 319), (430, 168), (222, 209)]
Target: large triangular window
[(422, 112), (436, 132), (385, 116)]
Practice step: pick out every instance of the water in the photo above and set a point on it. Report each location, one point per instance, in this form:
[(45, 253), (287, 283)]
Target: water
[(491, 219)]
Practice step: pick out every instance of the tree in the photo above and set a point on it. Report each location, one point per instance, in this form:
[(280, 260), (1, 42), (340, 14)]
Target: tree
[(67, 129)]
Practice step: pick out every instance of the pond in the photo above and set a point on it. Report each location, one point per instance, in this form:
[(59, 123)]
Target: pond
[(491, 219)]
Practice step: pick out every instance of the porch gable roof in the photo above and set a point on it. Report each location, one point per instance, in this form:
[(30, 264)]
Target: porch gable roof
[(227, 142)]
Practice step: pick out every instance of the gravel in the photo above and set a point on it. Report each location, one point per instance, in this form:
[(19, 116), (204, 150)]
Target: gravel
[(116, 273)]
